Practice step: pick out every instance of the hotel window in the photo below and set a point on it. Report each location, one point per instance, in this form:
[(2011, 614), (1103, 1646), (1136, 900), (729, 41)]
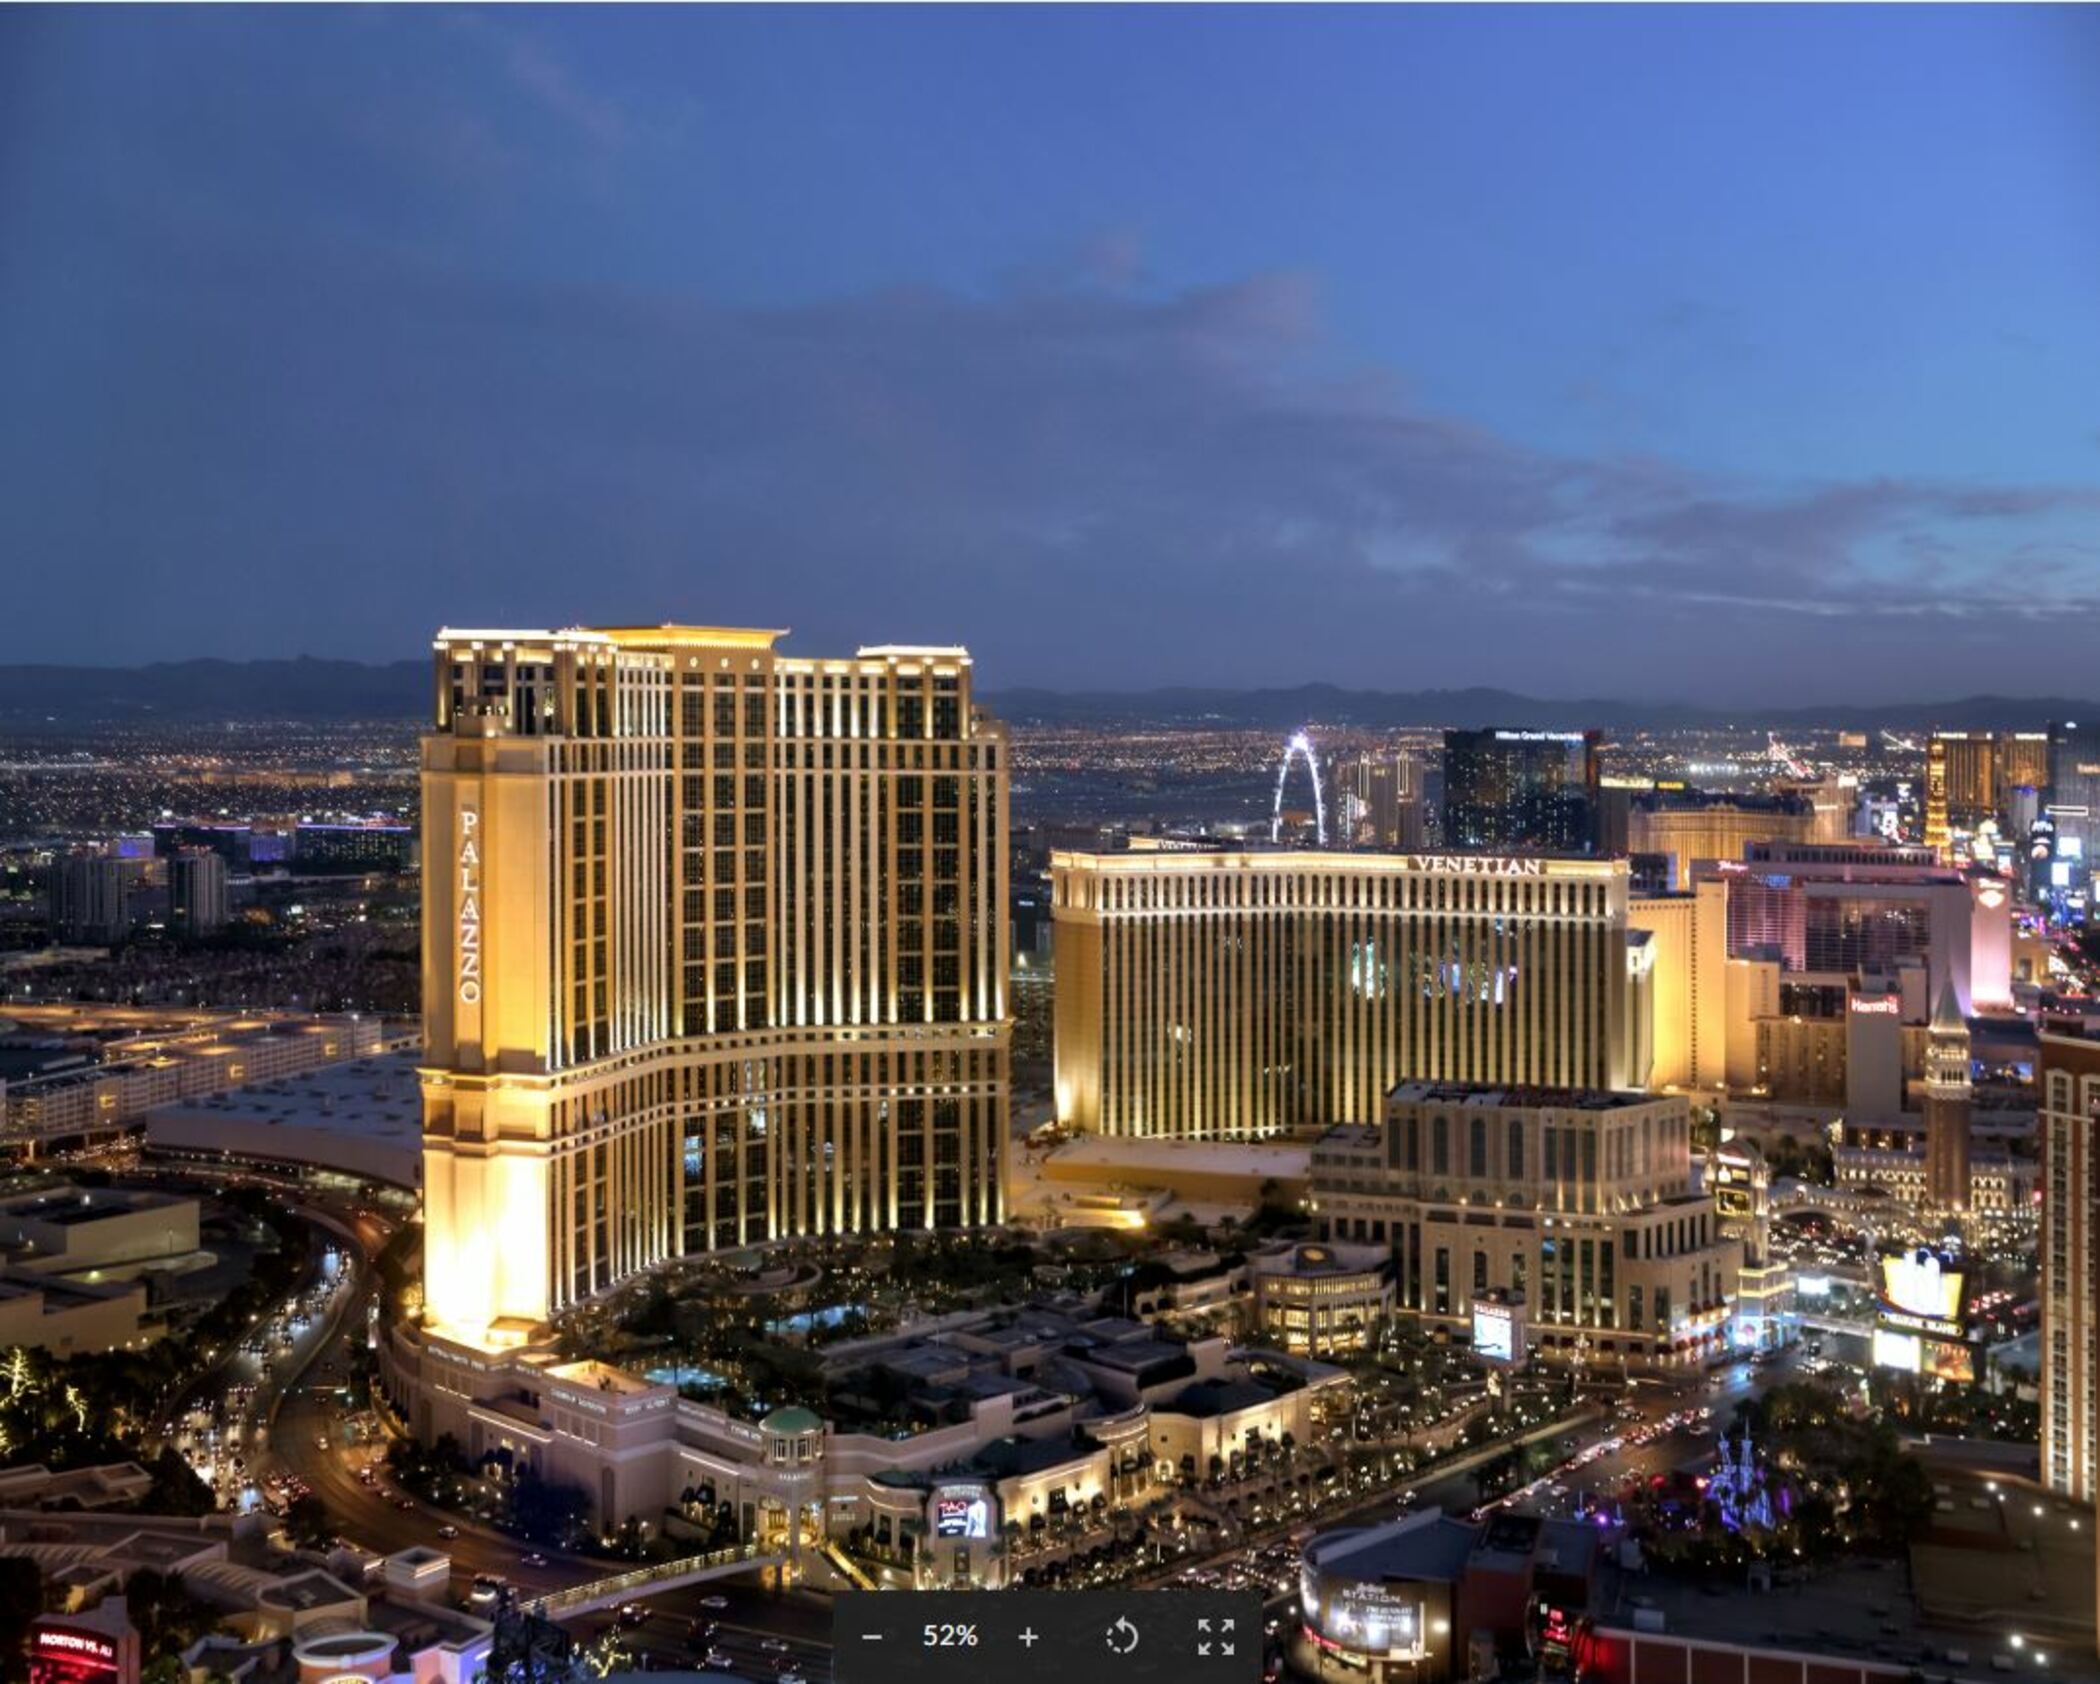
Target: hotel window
[(1440, 1146), (1516, 1150), (1478, 1167)]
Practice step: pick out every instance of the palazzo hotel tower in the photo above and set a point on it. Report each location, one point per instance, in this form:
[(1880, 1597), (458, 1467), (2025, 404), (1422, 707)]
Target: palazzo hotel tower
[(714, 953)]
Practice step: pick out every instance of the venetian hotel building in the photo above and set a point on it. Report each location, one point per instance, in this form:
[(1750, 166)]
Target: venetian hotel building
[(1241, 995), (1582, 1206), (714, 953)]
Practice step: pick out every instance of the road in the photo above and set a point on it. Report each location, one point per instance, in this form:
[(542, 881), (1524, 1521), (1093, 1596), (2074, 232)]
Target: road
[(311, 1435), (760, 1632), (308, 1439), (1692, 1443), (1255, 1564)]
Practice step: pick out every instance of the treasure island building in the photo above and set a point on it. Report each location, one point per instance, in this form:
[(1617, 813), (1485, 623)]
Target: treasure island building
[(1229, 996), (714, 953)]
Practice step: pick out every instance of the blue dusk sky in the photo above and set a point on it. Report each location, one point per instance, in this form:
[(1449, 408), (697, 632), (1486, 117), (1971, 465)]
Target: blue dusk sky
[(1708, 354)]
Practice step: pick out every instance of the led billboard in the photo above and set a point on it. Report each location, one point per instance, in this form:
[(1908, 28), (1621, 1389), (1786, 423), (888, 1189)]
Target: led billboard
[(1375, 1621), (70, 1652), (1923, 1292), (1494, 1331), (963, 1513)]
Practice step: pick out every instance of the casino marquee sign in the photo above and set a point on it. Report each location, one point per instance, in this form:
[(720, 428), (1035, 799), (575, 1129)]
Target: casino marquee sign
[(1475, 865)]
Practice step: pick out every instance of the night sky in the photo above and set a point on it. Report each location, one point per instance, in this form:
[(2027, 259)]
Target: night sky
[(1661, 354)]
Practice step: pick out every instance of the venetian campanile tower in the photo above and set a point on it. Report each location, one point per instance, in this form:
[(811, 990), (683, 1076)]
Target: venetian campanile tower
[(1947, 1106)]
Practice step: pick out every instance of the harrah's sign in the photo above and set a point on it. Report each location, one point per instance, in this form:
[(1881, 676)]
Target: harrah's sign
[(1476, 865), (467, 943)]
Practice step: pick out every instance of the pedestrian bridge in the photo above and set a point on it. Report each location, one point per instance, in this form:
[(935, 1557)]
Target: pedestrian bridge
[(658, 1576)]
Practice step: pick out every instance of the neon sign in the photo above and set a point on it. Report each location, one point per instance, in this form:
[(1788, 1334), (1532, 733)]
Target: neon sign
[(72, 1654), (73, 1643)]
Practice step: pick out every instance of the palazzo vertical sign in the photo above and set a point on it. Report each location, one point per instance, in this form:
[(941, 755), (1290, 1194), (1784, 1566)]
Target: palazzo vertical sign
[(467, 935)]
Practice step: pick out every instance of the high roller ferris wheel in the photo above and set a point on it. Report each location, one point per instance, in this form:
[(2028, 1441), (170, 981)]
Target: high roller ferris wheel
[(1300, 743)]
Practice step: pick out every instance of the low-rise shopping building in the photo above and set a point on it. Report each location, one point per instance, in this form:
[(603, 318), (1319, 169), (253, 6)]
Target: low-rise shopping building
[(103, 1233), (1322, 1300), (72, 1317), (935, 1449), (1428, 1598), (279, 1616), (1889, 1157)]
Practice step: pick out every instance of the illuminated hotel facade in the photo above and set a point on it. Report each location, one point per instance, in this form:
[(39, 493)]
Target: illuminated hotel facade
[(1235, 996), (2067, 1079), (714, 953), (1584, 1206)]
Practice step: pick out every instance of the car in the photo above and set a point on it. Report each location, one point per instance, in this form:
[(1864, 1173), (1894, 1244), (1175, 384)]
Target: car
[(448, 1530), (773, 1645), (717, 1660), (404, 1502), (532, 1558), (714, 1602), (791, 1675)]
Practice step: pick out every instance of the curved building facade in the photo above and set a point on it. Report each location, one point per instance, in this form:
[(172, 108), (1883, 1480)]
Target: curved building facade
[(714, 953)]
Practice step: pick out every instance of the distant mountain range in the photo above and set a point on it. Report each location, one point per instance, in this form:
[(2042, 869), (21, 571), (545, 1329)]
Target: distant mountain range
[(200, 690), (1329, 704), (350, 690)]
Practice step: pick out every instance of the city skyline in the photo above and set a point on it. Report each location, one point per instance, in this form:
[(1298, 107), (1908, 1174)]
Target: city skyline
[(1287, 805), (1451, 377)]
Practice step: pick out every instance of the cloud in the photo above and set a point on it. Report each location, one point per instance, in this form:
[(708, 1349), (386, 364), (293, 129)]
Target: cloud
[(548, 81), (1089, 484)]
